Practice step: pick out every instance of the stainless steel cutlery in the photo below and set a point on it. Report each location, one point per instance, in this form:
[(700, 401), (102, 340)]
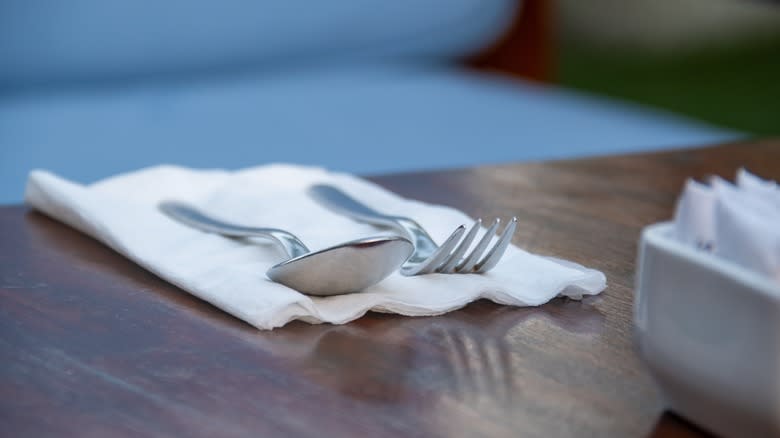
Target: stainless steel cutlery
[(455, 255), (345, 268)]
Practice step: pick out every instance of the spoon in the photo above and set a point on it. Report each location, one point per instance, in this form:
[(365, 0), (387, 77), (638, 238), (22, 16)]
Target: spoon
[(340, 269)]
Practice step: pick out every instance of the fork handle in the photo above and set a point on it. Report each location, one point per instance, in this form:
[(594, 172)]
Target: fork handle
[(341, 203)]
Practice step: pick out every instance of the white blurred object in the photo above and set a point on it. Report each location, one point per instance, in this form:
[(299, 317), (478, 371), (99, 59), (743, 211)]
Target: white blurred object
[(709, 332), (707, 306), (670, 26), (746, 227), (739, 223), (758, 186), (694, 215)]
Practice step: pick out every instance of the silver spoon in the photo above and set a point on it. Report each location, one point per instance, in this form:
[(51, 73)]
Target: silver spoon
[(345, 268)]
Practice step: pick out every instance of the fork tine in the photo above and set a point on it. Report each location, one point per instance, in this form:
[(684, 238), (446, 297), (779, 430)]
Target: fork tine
[(468, 263), (449, 266), (495, 253), (437, 258)]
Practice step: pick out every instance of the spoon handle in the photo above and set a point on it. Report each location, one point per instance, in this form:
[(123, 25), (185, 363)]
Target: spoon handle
[(191, 216)]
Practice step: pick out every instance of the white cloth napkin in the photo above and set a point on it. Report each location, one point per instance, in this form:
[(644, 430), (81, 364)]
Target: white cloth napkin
[(122, 213), (735, 222)]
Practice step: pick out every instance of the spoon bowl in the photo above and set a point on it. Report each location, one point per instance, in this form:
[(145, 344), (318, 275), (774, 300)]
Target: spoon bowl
[(345, 268)]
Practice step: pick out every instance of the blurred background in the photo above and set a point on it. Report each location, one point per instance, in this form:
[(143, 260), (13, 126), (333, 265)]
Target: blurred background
[(716, 60), (92, 88)]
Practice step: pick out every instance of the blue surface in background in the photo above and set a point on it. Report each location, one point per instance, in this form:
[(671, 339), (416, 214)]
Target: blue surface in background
[(366, 120), (98, 87)]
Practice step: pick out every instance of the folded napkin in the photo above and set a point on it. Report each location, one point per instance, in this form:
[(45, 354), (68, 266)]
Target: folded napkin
[(735, 222), (122, 213)]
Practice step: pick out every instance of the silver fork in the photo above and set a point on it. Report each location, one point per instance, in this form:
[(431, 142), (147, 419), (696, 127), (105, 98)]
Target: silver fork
[(427, 257)]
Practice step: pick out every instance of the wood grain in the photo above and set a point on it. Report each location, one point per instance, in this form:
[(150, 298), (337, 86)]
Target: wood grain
[(92, 345)]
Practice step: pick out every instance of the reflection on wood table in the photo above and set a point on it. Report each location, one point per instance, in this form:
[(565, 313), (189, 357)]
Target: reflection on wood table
[(93, 345)]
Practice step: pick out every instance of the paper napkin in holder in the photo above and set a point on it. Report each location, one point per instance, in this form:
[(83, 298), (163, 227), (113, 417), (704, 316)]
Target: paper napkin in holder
[(122, 213), (738, 223), (707, 307)]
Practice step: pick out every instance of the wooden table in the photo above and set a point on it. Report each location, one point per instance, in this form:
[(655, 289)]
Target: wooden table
[(92, 345)]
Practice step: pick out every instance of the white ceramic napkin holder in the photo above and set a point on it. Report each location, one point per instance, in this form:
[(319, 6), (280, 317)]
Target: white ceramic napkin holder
[(709, 330)]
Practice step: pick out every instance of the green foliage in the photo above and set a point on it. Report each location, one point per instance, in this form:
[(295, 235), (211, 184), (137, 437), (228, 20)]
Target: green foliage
[(736, 87)]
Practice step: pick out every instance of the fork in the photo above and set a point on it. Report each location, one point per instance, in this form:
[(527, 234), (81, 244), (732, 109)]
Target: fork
[(449, 258)]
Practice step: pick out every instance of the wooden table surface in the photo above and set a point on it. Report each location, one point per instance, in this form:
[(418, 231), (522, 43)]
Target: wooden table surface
[(92, 345)]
